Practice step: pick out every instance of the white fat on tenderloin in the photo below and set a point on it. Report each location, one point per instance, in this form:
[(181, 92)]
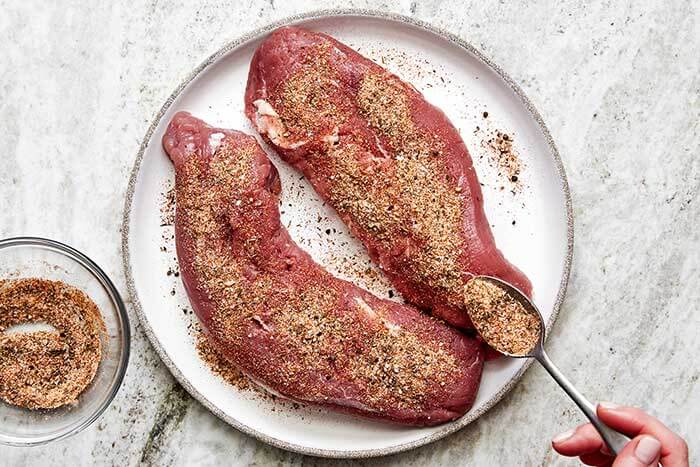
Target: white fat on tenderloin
[(269, 123), (333, 138), (215, 141), (392, 327)]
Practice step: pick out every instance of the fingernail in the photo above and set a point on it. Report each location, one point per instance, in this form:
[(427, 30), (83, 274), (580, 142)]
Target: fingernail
[(609, 405), (647, 449), (560, 438)]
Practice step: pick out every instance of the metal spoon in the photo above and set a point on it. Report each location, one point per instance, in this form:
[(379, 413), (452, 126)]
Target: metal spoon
[(614, 440)]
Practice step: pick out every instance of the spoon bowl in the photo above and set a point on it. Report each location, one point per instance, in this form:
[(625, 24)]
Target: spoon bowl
[(517, 295)]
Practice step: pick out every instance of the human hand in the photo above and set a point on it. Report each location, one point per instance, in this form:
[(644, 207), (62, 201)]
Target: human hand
[(652, 442)]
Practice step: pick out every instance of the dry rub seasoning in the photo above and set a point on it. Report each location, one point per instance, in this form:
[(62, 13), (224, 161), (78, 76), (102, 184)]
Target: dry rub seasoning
[(502, 321), (505, 158), (47, 369)]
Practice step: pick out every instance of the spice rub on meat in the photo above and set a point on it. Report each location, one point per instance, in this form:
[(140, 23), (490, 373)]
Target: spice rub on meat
[(282, 319), (391, 164)]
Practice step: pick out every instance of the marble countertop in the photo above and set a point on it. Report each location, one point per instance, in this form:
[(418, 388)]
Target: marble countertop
[(618, 86)]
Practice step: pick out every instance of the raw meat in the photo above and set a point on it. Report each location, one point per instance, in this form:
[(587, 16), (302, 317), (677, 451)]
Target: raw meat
[(391, 164), (284, 320)]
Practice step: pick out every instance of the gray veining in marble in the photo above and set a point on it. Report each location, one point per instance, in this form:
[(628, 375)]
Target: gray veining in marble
[(617, 83)]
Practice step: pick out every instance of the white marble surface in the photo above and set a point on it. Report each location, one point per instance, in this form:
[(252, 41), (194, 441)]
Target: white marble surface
[(618, 84)]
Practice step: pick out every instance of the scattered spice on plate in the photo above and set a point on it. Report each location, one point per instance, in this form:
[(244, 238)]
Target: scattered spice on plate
[(47, 369), (505, 157), (167, 208), (218, 364), (502, 321)]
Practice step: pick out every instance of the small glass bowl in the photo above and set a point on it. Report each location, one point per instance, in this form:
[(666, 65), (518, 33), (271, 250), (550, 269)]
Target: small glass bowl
[(47, 259)]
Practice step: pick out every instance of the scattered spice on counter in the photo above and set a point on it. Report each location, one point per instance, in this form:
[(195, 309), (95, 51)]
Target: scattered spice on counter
[(47, 369), (502, 321)]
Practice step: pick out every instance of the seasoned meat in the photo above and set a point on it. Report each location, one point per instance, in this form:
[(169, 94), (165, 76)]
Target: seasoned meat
[(391, 164), (284, 320)]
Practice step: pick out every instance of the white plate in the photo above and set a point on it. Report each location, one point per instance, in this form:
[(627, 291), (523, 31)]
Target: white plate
[(540, 242)]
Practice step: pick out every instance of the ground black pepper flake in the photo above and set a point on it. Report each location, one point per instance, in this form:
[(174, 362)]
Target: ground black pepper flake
[(505, 158)]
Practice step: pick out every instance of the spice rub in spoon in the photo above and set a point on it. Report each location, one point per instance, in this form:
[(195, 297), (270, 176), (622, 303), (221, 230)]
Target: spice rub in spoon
[(503, 319)]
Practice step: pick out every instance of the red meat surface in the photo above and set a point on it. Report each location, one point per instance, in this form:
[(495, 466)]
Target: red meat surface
[(391, 164), (282, 319)]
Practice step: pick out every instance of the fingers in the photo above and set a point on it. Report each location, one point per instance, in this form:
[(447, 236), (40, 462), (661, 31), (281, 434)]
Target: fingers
[(642, 451), (653, 442), (583, 440), (633, 422)]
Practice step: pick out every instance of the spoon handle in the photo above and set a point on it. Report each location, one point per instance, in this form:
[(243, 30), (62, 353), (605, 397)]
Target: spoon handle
[(615, 440)]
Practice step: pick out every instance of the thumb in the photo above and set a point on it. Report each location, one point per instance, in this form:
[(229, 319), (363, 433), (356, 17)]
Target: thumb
[(642, 451)]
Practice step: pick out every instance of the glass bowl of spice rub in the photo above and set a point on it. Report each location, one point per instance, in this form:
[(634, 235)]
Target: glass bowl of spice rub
[(64, 341)]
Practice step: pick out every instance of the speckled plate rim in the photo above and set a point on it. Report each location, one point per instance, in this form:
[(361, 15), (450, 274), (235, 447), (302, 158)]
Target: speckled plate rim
[(446, 429)]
